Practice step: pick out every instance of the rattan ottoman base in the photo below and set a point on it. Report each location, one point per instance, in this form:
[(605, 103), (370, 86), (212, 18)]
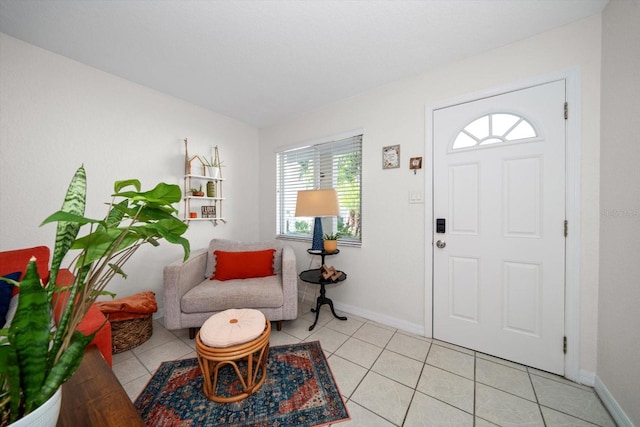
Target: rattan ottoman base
[(254, 352)]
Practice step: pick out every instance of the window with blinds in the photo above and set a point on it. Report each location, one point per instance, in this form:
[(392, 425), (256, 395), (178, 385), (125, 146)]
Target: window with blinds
[(335, 164)]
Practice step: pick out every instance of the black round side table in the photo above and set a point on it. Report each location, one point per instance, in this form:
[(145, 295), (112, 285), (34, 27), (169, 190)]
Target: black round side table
[(315, 276)]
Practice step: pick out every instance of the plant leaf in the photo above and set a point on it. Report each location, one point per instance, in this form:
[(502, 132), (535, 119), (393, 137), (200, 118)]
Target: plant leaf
[(118, 270), (66, 366), (105, 294), (146, 213), (119, 185), (116, 214), (172, 230), (29, 334), (70, 217), (163, 194), (66, 232), (10, 370), (63, 324), (101, 243)]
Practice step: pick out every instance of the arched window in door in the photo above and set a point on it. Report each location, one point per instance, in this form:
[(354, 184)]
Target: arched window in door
[(494, 128)]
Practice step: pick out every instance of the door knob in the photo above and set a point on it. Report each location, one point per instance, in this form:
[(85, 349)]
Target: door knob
[(441, 244)]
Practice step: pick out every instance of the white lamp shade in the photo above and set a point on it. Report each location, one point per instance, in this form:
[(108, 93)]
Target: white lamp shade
[(314, 203)]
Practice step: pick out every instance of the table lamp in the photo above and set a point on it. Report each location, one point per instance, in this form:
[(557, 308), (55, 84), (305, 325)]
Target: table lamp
[(317, 203)]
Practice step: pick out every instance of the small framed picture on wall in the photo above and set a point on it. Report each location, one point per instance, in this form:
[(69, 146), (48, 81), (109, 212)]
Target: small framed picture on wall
[(415, 163), (391, 157)]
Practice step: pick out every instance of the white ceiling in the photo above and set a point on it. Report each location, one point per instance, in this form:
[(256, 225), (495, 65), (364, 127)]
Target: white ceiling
[(263, 62)]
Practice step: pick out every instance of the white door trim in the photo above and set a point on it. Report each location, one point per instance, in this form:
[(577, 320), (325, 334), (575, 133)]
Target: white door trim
[(572, 198)]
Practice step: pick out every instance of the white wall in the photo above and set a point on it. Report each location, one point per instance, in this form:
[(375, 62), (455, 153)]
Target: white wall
[(619, 300), (389, 275), (56, 114)]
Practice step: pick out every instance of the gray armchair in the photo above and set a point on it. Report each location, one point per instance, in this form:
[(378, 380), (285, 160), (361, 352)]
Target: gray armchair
[(190, 297)]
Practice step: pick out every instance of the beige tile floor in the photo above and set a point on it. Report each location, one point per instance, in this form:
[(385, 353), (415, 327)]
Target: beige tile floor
[(393, 378)]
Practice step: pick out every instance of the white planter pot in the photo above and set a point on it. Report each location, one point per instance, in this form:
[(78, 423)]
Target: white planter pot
[(214, 172), (45, 416)]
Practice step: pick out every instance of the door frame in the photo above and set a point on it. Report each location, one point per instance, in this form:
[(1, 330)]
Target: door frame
[(572, 200)]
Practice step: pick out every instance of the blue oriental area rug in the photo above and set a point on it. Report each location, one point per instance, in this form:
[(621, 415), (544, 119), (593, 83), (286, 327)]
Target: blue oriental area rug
[(299, 391)]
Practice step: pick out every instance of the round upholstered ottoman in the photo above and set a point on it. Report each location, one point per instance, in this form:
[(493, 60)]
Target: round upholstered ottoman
[(239, 338)]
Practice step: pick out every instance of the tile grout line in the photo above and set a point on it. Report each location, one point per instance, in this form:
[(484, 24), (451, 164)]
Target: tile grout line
[(369, 369), (365, 375), (415, 389), (535, 394), (540, 406)]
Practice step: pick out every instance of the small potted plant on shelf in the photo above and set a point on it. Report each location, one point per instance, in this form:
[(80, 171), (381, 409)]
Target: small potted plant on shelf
[(197, 192), (331, 242), (37, 355), (214, 165)]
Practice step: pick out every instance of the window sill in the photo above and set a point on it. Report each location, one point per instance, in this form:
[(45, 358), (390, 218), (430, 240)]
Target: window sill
[(343, 243)]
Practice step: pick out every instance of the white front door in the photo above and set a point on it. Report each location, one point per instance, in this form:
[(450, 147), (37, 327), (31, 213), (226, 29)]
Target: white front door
[(499, 209)]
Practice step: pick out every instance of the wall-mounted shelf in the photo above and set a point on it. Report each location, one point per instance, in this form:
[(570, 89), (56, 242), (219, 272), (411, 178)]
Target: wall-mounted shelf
[(209, 206), (203, 198), (194, 204)]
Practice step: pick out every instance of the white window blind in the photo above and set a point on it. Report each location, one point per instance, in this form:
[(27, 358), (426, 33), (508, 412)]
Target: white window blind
[(336, 164)]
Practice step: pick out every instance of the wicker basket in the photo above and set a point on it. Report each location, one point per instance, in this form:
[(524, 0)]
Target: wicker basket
[(128, 334)]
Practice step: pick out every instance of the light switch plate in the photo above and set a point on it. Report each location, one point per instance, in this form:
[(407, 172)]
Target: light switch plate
[(416, 197)]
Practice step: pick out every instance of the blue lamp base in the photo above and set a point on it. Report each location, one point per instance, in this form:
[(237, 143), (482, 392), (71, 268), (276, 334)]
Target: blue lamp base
[(317, 243)]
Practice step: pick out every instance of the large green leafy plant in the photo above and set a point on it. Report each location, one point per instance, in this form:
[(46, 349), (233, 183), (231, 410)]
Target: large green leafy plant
[(37, 356)]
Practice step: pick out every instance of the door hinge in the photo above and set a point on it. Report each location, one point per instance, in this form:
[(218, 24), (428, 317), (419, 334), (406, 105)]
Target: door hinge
[(566, 110), (566, 228), (564, 345)]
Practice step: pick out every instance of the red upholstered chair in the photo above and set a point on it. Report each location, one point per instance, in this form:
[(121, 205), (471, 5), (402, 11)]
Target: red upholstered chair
[(17, 260)]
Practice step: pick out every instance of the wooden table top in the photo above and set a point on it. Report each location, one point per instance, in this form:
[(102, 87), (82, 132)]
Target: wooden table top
[(94, 397)]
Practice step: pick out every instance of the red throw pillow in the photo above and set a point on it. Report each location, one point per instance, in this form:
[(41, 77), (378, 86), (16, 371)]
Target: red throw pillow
[(243, 265)]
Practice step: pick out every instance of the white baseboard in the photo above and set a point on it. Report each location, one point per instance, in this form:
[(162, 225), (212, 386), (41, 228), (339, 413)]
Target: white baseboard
[(377, 317), (383, 319), (618, 414), (586, 378)]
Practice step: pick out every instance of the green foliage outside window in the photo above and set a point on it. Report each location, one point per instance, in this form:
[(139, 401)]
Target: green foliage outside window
[(302, 227)]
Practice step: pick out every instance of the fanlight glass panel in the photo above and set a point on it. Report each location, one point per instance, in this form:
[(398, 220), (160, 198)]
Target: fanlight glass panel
[(463, 141), (479, 128), (503, 123), (522, 131), (494, 128)]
